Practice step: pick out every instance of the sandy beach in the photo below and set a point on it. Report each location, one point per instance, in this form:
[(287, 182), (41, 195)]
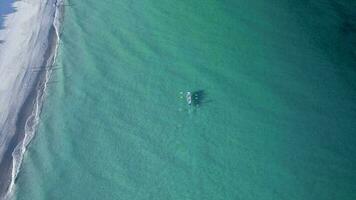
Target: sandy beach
[(27, 51)]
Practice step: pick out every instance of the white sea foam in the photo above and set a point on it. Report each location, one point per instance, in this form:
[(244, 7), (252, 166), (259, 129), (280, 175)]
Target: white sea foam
[(26, 58)]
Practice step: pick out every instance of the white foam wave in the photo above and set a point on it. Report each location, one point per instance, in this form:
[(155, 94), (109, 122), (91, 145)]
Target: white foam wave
[(34, 118)]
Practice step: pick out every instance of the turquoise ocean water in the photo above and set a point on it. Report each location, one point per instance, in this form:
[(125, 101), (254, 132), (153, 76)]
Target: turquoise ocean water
[(276, 114)]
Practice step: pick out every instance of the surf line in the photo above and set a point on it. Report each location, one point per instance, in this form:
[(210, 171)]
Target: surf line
[(33, 116)]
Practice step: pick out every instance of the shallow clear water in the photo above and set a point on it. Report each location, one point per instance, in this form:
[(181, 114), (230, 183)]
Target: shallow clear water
[(276, 114)]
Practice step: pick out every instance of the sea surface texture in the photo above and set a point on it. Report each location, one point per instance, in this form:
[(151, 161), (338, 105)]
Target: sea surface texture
[(273, 114)]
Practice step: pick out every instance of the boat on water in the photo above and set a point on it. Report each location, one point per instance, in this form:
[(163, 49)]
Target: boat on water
[(188, 96)]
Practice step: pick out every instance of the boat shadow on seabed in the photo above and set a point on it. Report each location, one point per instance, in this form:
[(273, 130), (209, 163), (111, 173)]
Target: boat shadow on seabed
[(198, 98)]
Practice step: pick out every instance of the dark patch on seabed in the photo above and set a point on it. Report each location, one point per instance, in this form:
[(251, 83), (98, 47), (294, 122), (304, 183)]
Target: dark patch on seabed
[(199, 98)]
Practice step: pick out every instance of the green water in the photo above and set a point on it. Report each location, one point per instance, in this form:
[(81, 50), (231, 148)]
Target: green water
[(276, 119)]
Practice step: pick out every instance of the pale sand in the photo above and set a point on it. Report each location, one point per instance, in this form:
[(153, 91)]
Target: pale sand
[(26, 52)]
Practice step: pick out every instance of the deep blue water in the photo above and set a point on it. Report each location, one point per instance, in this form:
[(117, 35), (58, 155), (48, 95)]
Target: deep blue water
[(6, 8)]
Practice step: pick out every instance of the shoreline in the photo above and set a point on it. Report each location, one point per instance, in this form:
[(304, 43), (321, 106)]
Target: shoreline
[(19, 126)]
